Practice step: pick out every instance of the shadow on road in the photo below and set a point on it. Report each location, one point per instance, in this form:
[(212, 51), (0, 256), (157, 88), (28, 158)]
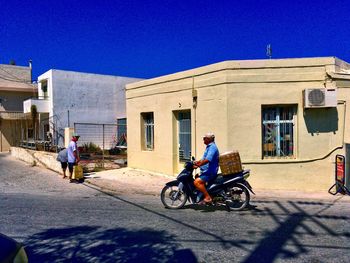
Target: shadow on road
[(293, 221), (205, 208), (4, 155), (93, 244), (214, 208)]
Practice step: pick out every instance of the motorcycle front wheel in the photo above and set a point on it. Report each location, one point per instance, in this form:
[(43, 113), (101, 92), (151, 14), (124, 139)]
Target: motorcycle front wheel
[(172, 197), (238, 198)]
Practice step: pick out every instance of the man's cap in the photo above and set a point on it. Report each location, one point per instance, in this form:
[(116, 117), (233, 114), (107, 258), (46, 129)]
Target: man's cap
[(209, 135), (75, 135)]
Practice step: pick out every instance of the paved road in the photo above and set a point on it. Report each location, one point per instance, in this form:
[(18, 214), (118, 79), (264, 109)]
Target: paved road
[(62, 222)]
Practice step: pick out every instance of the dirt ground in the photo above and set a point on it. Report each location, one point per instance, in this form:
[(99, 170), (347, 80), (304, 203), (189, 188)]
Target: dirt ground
[(97, 163), (129, 181)]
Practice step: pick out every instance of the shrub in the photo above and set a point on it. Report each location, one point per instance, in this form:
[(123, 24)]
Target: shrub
[(90, 147)]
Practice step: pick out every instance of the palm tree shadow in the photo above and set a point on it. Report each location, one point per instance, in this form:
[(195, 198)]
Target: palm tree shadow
[(93, 244)]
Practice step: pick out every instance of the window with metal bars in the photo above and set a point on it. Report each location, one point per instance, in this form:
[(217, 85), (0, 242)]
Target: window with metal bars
[(184, 121), (278, 124), (121, 132), (148, 131)]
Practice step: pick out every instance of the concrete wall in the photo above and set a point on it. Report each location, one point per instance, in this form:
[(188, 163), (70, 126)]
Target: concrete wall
[(13, 100), (230, 96), (84, 97), (43, 159), (89, 98), (15, 86)]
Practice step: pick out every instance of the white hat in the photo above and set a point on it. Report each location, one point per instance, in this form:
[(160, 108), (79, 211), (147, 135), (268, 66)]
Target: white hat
[(209, 135)]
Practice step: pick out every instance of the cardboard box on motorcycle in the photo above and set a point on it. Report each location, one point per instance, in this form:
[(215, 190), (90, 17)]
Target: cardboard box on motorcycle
[(230, 163)]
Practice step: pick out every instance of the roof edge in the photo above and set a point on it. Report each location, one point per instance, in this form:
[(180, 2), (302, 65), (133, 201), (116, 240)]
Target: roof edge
[(239, 64)]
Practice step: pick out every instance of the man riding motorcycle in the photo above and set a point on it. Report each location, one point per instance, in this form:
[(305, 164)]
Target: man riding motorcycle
[(209, 166)]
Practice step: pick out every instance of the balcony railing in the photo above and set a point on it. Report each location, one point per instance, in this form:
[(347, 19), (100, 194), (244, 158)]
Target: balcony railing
[(12, 115)]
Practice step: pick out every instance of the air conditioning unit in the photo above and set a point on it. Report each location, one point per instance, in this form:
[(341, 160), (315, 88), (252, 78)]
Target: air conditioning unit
[(320, 98)]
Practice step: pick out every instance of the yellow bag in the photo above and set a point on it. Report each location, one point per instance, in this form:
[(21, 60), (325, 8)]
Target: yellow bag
[(78, 172)]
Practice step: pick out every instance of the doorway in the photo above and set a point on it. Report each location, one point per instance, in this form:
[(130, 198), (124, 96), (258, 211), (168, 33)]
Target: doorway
[(184, 135)]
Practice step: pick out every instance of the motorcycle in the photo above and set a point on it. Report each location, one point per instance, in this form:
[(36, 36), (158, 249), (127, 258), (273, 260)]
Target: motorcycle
[(232, 191)]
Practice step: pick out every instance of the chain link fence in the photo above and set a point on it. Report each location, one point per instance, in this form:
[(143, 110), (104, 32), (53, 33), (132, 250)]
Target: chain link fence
[(102, 146)]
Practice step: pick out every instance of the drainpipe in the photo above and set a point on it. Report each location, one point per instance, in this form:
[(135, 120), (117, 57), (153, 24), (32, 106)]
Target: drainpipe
[(343, 102), (31, 70), (194, 101)]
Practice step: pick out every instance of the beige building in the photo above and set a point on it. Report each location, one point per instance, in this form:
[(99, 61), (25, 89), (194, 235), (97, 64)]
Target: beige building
[(288, 118), (15, 87)]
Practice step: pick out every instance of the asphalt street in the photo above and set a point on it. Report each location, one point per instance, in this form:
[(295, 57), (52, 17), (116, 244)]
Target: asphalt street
[(62, 222)]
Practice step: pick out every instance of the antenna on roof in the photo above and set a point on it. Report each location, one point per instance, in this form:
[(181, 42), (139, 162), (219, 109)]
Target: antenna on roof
[(269, 51)]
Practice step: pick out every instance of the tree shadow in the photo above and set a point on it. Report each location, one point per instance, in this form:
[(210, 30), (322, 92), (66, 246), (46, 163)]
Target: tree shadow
[(293, 223), (93, 244)]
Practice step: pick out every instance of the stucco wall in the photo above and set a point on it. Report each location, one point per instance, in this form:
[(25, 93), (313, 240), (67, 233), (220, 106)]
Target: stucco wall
[(10, 133), (43, 159), (90, 98), (13, 100), (230, 96)]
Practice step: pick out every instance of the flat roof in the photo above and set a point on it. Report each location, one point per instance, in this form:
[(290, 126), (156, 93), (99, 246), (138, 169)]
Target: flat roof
[(242, 64)]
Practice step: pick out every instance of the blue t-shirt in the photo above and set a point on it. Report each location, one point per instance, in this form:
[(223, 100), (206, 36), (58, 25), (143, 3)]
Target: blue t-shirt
[(211, 153)]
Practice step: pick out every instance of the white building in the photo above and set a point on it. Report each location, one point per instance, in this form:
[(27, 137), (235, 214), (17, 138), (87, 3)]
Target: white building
[(67, 97)]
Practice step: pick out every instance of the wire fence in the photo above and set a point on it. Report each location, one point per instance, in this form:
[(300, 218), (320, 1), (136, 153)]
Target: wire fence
[(102, 143), (104, 136)]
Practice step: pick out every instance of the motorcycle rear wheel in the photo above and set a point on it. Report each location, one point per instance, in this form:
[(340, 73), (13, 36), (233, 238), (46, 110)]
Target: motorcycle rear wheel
[(238, 198), (172, 197)]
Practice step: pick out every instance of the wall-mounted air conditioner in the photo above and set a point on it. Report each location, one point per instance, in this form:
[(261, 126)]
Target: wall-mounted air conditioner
[(320, 98)]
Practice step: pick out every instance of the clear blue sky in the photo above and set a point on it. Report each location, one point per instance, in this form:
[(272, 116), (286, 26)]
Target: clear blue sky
[(149, 38)]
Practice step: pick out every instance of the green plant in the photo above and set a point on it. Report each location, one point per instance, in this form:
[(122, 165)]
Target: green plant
[(34, 114), (44, 88), (90, 147)]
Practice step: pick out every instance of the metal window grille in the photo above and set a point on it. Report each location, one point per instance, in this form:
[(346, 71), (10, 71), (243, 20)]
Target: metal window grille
[(121, 129), (278, 131), (184, 119), (148, 122)]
